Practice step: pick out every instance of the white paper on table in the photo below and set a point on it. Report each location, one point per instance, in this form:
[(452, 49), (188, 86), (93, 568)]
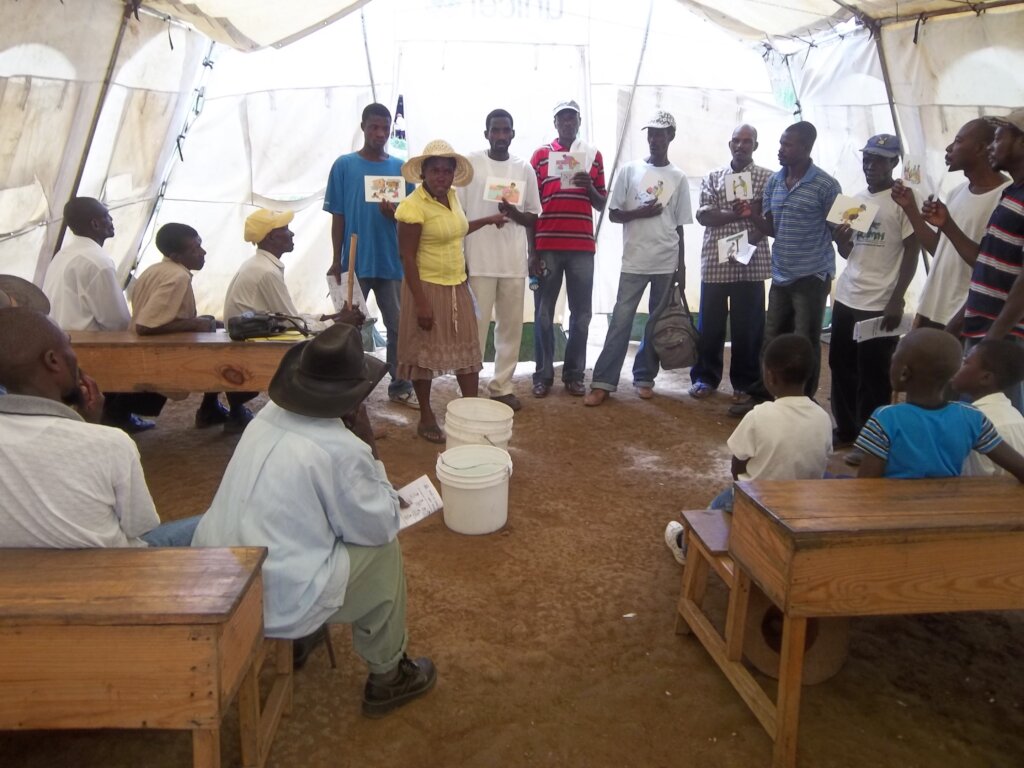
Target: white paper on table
[(872, 329), (849, 210), (338, 291), (379, 188), (497, 188), (739, 186), (736, 248), (423, 500), (564, 165), (654, 188)]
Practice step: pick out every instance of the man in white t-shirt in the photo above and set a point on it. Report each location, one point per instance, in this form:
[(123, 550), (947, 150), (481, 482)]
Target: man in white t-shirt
[(651, 199), (880, 264), (497, 257), (970, 205)]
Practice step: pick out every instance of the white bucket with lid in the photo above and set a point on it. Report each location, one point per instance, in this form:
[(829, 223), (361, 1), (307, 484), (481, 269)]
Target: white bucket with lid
[(474, 487), (477, 421)]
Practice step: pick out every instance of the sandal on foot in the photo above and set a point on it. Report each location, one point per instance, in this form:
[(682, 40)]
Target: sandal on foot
[(431, 433), (700, 390)]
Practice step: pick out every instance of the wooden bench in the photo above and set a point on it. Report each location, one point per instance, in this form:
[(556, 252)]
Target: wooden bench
[(122, 361), (139, 638)]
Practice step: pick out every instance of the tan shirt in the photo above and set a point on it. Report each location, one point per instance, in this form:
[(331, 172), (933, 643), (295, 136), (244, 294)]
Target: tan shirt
[(163, 294)]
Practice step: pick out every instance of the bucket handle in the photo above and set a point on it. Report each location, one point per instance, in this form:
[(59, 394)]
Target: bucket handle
[(506, 467)]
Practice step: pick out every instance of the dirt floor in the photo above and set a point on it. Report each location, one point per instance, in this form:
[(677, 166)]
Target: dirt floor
[(554, 638)]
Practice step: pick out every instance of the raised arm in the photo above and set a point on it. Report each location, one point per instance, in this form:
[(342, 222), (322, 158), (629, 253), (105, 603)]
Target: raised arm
[(937, 214), (904, 198)]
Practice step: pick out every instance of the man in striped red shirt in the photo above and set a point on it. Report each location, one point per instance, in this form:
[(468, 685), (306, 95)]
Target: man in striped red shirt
[(570, 174), (995, 302)]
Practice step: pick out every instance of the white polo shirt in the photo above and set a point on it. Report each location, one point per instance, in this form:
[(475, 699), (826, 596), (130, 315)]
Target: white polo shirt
[(81, 284)]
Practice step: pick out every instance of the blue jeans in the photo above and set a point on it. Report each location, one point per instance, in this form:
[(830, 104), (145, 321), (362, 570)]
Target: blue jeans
[(723, 501), (645, 364), (177, 533), (388, 294), (578, 269), (798, 307), (743, 304)]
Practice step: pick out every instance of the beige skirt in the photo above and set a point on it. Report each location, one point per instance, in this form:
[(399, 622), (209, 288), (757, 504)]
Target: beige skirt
[(450, 346)]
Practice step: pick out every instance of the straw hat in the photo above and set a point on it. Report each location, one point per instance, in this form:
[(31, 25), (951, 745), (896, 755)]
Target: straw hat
[(22, 293), (412, 169)]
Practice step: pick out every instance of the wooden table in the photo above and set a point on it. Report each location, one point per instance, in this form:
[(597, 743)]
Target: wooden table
[(865, 548), (122, 361), (131, 638)]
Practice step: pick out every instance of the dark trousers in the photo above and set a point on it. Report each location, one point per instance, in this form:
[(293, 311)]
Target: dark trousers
[(799, 308), (860, 371), (743, 303), (119, 406)]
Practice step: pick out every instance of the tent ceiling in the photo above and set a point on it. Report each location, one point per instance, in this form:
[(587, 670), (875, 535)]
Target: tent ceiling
[(252, 24)]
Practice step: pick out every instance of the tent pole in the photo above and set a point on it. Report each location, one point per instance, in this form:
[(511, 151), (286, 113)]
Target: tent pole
[(100, 101), (629, 111), (369, 64)]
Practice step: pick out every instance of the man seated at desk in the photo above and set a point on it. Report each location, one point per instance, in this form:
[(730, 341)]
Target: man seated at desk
[(305, 482), (163, 302), (66, 483)]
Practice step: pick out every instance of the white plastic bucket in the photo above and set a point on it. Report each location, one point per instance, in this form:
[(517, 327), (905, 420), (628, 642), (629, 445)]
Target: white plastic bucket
[(477, 421), (474, 487)]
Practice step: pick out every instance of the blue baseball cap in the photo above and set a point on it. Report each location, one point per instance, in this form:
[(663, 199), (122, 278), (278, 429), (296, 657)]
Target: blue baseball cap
[(883, 145)]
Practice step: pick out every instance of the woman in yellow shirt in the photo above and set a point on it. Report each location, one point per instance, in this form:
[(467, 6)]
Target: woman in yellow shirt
[(437, 320)]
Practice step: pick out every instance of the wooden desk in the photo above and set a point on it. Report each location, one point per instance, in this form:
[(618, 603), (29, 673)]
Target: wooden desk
[(865, 548), (122, 361), (130, 638)]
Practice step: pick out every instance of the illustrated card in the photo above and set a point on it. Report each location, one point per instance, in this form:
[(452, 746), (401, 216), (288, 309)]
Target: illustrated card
[(565, 165), (736, 248), (849, 210), (654, 188), (496, 189), (739, 186), (379, 188)]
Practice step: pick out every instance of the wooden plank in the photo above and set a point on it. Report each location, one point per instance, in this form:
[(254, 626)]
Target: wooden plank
[(108, 677), (736, 616), (239, 642), (178, 585), (760, 547), (939, 574), (206, 748), (177, 362), (712, 527)]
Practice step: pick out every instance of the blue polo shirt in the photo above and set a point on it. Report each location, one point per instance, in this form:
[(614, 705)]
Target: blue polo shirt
[(803, 239), (377, 246)]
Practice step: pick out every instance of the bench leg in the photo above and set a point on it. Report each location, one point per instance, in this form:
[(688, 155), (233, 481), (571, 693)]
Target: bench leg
[(736, 617), (249, 715), (794, 635), (695, 581), (206, 748)]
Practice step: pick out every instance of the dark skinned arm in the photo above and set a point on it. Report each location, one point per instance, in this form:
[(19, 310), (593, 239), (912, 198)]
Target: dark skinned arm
[(871, 466), (739, 466), (337, 239), (893, 312), (1003, 455), (201, 324)]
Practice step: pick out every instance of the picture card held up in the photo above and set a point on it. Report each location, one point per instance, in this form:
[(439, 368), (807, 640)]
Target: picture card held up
[(381, 188), (849, 210), (497, 188), (739, 186), (565, 165)]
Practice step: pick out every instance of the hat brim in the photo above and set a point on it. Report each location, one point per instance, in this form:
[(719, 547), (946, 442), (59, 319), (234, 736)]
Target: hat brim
[(25, 294), (886, 153), (412, 169), (320, 398)]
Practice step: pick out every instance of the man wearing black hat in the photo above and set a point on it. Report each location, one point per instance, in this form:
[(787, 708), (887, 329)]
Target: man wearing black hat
[(306, 483)]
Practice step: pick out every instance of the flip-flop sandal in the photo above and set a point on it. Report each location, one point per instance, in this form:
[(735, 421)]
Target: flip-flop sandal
[(431, 434), (700, 390), (405, 398)]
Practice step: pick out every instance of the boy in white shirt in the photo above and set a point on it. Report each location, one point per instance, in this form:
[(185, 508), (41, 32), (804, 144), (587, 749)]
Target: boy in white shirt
[(788, 438), (880, 264), (989, 368)]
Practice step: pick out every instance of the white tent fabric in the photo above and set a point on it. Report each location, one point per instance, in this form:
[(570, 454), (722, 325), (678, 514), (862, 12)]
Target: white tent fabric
[(261, 127)]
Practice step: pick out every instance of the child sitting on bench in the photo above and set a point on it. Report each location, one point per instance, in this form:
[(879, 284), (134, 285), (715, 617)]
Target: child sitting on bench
[(989, 368), (928, 436), (788, 438)]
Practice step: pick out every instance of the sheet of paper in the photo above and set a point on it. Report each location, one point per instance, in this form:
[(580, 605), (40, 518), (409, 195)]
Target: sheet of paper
[(857, 213), (736, 248), (739, 186), (872, 329), (497, 188), (390, 188), (338, 291), (565, 165), (654, 188), (913, 170), (423, 500)]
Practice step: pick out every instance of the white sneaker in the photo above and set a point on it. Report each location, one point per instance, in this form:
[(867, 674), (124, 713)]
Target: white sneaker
[(673, 537)]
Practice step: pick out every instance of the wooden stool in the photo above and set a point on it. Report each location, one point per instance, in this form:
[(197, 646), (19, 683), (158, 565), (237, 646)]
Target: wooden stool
[(259, 724)]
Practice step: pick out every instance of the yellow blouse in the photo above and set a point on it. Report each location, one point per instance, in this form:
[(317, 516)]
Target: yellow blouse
[(440, 258)]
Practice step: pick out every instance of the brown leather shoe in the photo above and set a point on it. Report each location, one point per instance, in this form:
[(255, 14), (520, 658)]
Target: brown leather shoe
[(389, 691), (540, 389), (575, 388), (645, 393), (595, 397)]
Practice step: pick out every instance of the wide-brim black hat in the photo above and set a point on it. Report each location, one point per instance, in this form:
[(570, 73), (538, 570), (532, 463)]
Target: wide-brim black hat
[(24, 294), (328, 376)]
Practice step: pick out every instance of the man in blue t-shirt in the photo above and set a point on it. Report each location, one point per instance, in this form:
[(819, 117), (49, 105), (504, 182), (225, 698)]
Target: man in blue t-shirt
[(378, 266)]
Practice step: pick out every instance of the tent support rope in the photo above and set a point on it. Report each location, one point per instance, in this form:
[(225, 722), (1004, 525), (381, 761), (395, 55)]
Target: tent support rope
[(369, 64), (625, 122)]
